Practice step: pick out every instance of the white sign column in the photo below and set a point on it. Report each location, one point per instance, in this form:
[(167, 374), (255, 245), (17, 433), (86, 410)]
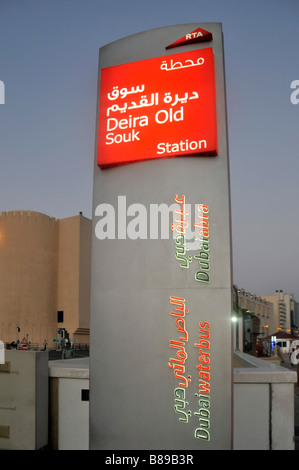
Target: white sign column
[(161, 356)]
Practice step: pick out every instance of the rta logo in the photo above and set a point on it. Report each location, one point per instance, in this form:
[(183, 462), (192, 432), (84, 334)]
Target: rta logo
[(2, 92), (295, 353)]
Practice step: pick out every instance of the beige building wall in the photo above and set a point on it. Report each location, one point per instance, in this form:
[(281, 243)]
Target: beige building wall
[(44, 267), (85, 273), (28, 273), (73, 297)]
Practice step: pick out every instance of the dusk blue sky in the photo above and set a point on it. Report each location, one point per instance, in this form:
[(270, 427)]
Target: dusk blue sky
[(48, 63)]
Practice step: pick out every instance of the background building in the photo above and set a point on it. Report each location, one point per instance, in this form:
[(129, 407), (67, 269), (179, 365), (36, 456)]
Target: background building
[(255, 320), (44, 277), (285, 310)]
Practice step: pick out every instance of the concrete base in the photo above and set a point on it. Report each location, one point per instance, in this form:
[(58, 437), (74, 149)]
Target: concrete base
[(24, 400), (263, 405)]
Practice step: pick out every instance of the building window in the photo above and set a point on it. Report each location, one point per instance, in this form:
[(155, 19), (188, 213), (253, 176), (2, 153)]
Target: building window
[(60, 316)]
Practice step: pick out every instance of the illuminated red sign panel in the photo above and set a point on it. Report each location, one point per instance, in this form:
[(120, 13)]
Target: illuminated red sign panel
[(158, 108)]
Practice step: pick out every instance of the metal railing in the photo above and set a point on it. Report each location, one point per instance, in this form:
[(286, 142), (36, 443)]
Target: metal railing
[(37, 347)]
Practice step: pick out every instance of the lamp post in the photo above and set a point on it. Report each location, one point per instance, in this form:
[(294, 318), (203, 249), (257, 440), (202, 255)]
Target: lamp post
[(18, 339)]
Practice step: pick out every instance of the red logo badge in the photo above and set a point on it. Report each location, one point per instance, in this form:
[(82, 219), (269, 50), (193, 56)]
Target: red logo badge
[(198, 35)]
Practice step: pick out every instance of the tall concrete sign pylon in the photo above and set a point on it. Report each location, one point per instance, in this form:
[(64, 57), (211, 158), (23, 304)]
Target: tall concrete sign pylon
[(160, 357)]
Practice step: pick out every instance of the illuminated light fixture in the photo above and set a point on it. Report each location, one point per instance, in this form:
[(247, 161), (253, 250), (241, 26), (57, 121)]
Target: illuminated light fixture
[(198, 35), (234, 319)]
